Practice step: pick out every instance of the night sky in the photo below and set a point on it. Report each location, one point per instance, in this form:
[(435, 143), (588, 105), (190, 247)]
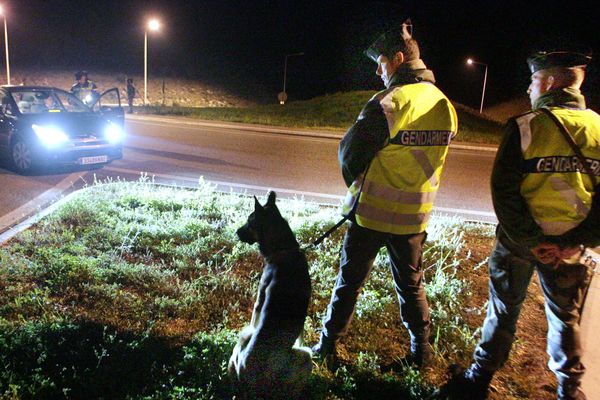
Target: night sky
[(242, 44)]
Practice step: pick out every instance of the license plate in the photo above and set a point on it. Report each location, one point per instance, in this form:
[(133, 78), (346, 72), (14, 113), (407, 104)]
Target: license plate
[(92, 160)]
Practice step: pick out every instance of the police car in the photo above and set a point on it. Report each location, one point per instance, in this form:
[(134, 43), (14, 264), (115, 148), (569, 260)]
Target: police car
[(43, 126)]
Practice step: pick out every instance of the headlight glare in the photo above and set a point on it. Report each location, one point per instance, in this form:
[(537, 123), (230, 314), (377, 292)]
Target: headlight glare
[(113, 133), (49, 135)]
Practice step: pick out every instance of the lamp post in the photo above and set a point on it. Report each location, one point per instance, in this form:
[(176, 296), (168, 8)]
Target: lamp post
[(6, 46), (153, 25), (470, 61), (283, 95)]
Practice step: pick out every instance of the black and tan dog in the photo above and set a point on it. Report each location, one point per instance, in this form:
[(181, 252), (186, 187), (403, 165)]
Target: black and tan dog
[(265, 363)]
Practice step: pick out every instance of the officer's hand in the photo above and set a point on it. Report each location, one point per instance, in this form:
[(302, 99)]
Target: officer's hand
[(548, 253), (570, 252)]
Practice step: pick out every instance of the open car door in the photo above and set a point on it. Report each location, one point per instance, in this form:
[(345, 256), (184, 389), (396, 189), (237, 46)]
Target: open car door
[(109, 106)]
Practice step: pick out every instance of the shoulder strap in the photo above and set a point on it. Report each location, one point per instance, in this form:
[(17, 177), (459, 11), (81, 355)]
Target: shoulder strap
[(567, 135)]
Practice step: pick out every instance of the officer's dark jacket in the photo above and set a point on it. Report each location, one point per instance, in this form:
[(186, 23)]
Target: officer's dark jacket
[(515, 218)]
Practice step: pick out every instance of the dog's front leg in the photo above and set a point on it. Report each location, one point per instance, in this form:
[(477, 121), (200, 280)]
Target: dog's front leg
[(265, 279)]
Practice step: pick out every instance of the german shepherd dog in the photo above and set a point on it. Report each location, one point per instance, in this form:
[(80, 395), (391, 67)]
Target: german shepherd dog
[(266, 363)]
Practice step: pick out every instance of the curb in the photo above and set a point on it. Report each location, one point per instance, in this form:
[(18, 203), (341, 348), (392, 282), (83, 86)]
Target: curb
[(36, 217), (276, 129), (236, 125)]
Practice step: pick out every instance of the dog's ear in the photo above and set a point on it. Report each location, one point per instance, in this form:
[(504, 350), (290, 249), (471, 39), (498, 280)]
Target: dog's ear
[(257, 205), (271, 200)]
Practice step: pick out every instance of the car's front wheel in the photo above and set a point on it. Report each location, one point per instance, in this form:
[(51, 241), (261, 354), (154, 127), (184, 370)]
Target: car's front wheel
[(22, 156)]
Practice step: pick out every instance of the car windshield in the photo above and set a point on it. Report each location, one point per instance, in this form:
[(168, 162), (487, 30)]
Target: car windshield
[(40, 101)]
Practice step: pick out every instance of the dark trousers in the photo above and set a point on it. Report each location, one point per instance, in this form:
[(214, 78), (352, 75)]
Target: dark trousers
[(563, 288), (361, 246)]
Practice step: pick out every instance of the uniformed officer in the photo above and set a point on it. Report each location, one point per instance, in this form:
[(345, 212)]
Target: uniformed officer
[(543, 199), (83, 88), (391, 161), (130, 94)]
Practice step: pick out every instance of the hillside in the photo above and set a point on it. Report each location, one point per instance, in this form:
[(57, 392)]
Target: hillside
[(336, 111), (203, 100), (507, 109), (178, 92)]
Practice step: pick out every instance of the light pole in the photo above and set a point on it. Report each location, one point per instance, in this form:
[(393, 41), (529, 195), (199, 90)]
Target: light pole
[(153, 25), (470, 61), (6, 46), (283, 95)]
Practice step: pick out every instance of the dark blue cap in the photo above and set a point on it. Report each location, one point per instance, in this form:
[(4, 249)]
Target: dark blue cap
[(558, 59), (391, 41)]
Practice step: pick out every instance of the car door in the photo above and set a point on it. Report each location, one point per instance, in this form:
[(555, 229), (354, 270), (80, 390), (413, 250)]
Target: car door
[(109, 106), (6, 124)]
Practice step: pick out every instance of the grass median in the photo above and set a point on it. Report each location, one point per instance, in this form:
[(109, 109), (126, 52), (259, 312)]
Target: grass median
[(137, 291), (331, 112)]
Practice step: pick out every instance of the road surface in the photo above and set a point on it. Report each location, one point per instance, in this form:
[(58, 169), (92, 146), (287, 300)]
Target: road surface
[(179, 151)]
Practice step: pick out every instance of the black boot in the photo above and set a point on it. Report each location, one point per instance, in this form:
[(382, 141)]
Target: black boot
[(471, 383), (420, 355), (325, 352)]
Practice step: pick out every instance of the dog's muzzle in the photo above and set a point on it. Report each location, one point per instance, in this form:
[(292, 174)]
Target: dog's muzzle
[(246, 235)]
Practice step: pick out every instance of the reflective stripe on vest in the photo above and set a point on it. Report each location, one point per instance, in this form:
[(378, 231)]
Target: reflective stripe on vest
[(84, 90), (403, 178), (557, 190)]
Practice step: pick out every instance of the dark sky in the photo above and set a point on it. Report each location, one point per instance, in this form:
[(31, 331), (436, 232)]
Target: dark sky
[(244, 43)]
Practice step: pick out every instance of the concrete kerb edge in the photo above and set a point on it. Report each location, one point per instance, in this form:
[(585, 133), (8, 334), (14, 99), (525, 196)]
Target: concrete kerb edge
[(44, 212), (287, 131), (34, 218)]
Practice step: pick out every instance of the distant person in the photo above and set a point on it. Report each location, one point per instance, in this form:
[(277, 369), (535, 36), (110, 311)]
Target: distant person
[(84, 89), (547, 209), (391, 160), (131, 90), (40, 102)]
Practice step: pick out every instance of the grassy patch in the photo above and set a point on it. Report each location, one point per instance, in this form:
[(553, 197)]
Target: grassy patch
[(336, 111), (136, 291)]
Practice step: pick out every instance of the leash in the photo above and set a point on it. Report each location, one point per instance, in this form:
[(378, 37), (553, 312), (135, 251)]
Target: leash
[(320, 239), (329, 232)]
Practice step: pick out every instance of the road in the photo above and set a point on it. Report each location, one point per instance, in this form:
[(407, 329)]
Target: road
[(179, 151)]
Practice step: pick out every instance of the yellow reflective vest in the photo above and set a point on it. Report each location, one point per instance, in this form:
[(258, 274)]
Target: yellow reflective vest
[(403, 178), (557, 192)]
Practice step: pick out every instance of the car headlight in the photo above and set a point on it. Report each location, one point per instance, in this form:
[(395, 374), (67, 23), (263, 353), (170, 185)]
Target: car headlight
[(49, 135), (113, 133)]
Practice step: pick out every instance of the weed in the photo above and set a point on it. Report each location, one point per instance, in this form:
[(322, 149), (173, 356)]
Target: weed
[(133, 290)]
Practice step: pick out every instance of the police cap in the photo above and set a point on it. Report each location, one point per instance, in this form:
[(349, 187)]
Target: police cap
[(80, 74), (558, 59), (391, 41)]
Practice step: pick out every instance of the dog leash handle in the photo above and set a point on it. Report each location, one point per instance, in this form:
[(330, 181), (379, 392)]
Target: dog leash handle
[(346, 217), (329, 232)]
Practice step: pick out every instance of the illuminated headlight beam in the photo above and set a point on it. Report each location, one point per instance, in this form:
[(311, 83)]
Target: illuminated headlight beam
[(113, 133), (49, 135)]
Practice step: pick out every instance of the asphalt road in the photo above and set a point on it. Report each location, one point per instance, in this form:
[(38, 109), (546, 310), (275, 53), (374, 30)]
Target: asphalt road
[(242, 158)]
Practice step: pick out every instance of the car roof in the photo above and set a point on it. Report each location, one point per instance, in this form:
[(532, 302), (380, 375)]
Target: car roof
[(21, 88)]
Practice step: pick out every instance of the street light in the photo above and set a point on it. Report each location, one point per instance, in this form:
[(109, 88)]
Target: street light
[(6, 46), (470, 61), (153, 25), (283, 95)]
